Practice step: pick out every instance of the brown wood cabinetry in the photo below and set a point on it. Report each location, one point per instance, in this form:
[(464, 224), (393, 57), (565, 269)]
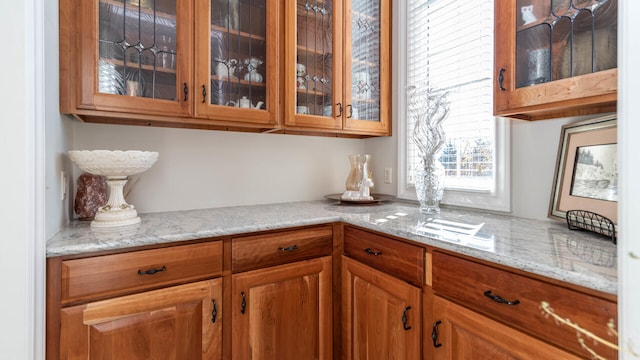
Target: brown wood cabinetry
[(283, 312), (555, 59), (393, 257), (111, 65), (516, 300), (382, 315), (102, 276), (381, 311), (314, 292), (263, 250), (228, 64), (102, 307), (465, 334), (174, 323), (282, 295), (337, 69)]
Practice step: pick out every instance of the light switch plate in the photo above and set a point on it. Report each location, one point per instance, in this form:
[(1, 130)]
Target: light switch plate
[(388, 174)]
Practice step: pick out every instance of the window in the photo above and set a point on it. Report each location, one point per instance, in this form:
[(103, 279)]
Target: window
[(449, 47)]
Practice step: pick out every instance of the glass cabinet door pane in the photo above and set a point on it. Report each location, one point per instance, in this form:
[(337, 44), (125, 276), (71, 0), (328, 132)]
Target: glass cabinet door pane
[(365, 61), (314, 58), (238, 53), (557, 39), (137, 48)]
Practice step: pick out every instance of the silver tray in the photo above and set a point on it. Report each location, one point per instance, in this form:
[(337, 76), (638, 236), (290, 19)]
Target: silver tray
[(377, 198)]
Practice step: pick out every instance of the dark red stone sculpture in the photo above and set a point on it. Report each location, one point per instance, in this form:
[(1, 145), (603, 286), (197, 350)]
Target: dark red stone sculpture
[(91, 194)]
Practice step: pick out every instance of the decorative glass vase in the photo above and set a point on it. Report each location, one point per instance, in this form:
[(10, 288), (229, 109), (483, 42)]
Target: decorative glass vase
[(359, 165), (429, 183), (428, 108)]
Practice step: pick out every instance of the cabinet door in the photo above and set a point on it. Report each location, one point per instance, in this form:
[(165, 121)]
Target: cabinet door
[(555, 58), (382, 315), (237, 60), (460, 333), (283, 312), (366, 86), (313, 72), (180, 322), (128, 56)]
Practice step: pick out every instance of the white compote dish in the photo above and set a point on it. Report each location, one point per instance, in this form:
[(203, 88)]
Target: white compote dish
[(115, 166)]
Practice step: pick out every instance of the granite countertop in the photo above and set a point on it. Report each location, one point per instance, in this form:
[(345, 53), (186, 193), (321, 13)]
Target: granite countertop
[(543, 247)]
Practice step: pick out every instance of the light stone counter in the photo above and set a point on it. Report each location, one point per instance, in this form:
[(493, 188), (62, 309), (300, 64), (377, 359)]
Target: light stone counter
[(543, 247)]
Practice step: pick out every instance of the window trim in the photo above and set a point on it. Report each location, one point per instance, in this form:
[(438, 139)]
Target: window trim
[(497, 200)]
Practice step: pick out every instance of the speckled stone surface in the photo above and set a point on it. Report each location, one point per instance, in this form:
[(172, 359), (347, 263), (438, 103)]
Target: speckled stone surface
[(543, 247)]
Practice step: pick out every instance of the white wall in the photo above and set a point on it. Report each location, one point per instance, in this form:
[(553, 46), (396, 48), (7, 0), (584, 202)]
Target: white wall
[(58, 131), (629, 205), (22, 246), (202, 169)]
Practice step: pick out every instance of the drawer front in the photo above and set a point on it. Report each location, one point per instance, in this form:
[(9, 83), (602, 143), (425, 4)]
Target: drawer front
[(258, 251), (516, 300), (393, 257), (108, 275)]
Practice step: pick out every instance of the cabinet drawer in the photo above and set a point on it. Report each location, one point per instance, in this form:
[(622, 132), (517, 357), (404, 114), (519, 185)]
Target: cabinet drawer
[(108, 275), (258, 251), (393, 257), (468, 283)]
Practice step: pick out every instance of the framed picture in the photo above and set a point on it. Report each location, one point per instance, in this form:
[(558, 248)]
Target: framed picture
[(586, 176)]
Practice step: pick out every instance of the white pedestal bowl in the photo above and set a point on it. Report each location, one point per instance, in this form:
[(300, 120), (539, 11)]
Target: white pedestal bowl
[(115, 166)]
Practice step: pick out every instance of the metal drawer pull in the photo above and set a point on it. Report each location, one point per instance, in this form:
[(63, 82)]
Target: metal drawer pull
[(214, 311), (500, 300), (288, 248), (372, 252), (185, 89), (434, 334), (152, 271), (243, 304), (404, 318), (501, 79)]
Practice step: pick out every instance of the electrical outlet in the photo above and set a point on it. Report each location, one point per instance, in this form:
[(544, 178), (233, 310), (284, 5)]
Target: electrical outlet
[(388, 175), (63, 185)]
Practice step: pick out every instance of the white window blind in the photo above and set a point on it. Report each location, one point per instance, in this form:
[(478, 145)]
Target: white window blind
[(450, 48)]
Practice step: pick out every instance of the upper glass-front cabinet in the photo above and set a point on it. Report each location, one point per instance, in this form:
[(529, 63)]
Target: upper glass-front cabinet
[(236, 60), (367, 52), (314, 69), (564, 60), (132, 53), (337, 75)]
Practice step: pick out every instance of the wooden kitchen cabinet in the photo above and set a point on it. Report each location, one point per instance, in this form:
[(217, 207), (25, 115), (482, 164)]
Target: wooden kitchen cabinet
[(337, 66), (180, 322), (281, 294), (481, 308), (460, 333), (161, 303), (226, 64), (555, 58), (144, 62), (283, 312), (382, 282), (382, 315), (237, 61), (126, 58)]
